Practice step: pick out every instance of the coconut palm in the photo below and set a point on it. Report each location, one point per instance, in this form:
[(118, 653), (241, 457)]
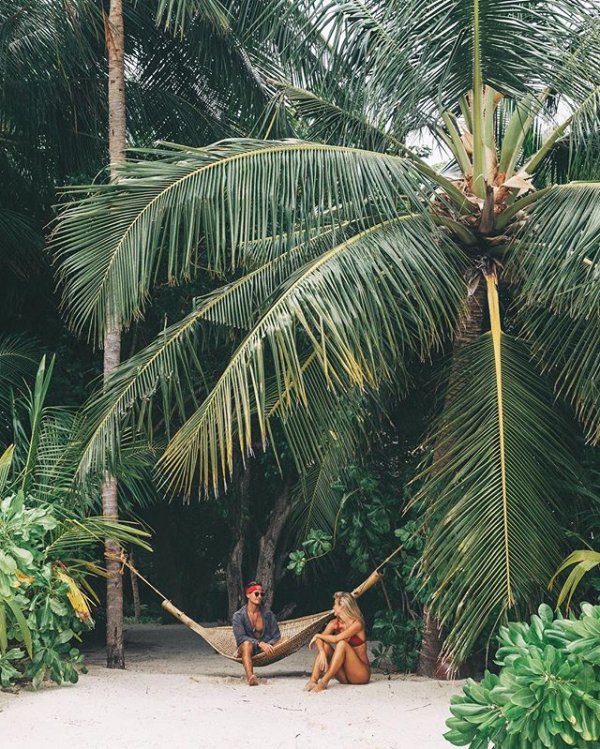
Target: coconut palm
[(353, 257)]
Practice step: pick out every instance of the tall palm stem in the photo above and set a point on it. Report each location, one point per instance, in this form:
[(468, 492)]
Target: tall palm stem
[(115, 49)]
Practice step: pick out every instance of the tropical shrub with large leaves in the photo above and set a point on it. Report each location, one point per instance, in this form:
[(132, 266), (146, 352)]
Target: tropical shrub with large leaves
[(351, 257), (547, 693)]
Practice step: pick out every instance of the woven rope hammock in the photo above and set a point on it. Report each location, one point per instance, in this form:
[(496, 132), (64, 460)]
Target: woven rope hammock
[(295, 633)]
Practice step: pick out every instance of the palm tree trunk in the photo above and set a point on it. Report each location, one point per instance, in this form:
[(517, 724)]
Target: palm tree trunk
[(432, 662), (115, 50)]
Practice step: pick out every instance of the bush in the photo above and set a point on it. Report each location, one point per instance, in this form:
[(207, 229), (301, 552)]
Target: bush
[(399, 638), (547, 693), (42, 609)]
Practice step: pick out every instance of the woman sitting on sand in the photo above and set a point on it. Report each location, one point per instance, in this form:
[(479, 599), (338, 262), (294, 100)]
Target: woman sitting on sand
[(341, 647)]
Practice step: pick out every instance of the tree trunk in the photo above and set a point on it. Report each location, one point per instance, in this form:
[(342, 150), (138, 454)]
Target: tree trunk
[(432, 662), (115, 50), (135, 592), (265, 567), (234, 573)]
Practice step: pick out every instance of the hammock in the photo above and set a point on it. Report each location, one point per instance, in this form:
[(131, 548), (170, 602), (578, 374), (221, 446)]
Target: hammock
[(295, 633)]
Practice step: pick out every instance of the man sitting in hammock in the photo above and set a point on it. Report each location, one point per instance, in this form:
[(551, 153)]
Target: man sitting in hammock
[(255, 629)]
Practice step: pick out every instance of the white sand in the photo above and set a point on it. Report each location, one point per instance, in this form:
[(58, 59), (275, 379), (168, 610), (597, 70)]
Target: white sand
[(176, 692)]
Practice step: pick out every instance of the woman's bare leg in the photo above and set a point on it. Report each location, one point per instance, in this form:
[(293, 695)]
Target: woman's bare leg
[(347, 664), (246, 653), (327, 650)]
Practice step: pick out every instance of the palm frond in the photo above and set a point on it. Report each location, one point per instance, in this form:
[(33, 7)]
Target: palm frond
[(557, 261), (493, 498), (18, 360), (361, 306), (567, 348), (323, 439), (108, 244), (582, 562), (431, 53), (324, 120), (171, 366), (557, 255), (177, 14)]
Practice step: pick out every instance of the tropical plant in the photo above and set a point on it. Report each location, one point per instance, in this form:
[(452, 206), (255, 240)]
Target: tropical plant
[(354, 257), (48, 543), (547, 693)]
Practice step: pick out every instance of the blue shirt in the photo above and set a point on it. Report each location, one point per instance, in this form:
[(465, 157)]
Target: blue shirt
[(243, 632)]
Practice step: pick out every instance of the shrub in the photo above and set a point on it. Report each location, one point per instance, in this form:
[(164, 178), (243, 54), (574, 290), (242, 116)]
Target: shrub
[(547, 693), (42, 608)]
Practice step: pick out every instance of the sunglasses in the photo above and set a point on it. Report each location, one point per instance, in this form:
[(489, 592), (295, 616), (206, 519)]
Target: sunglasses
[(258, 593)]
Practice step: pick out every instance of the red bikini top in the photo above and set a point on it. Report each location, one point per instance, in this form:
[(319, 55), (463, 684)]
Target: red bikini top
[(355, 640)]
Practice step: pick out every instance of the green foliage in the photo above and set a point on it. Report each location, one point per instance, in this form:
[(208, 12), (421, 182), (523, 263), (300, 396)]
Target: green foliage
[(47, 544), (371, 500), (297, 561), (399, 638), (547, 693), (41, 606), (355, 266)]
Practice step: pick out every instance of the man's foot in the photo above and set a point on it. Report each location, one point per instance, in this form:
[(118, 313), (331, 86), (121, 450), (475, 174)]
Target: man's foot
[(310, 685), (320, 687), (253, 681)]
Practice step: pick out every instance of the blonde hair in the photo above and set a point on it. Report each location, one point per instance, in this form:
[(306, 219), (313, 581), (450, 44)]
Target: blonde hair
[(350, 609)]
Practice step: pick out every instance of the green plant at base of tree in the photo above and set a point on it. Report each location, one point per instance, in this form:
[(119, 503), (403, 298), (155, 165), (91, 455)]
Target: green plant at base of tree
[(547, 693)]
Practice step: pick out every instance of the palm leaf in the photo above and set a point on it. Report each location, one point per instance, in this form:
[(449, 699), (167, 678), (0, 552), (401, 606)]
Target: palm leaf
[(567, 349), (109, 244), (171, 366), (493, 499), (557, 260), (433, 52), (17, 361), (5, 466), (582, 562), (178, 13), (361, 306)]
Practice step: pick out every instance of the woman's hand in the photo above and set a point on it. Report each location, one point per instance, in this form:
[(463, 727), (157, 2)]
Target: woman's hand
[(314, 641)]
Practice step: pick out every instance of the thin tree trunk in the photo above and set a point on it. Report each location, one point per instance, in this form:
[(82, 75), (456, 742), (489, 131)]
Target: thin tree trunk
[(135, 592), (234, 573), (432, 662), (265, 567), (115, 50)]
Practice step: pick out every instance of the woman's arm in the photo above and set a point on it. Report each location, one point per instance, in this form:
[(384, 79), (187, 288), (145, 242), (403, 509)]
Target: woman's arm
[(352, 629), (317, 639)]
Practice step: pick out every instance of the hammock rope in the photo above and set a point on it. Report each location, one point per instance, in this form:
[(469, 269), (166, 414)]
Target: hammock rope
[(295, 633)]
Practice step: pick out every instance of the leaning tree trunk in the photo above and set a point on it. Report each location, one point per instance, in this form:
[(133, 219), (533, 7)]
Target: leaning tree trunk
[(115, 50), (135, 591), (432, 662), (265, 567), (234, 573)]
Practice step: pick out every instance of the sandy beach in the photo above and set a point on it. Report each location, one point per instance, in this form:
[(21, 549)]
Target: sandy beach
[(177, 692)]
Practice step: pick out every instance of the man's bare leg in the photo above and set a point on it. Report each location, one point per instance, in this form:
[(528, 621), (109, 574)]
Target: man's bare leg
[(246, 653)]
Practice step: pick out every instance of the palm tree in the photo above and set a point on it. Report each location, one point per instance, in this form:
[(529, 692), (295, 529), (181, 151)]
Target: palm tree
[(353, 257), (54, 110)]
